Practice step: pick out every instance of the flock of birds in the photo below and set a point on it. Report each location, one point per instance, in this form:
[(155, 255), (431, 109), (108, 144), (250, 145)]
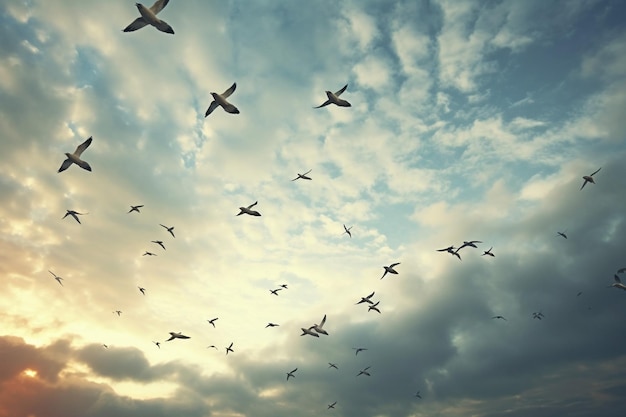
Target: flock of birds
[(148, 17)]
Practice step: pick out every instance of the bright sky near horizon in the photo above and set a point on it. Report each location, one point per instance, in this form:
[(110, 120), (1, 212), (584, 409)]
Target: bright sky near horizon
[(469, 120)]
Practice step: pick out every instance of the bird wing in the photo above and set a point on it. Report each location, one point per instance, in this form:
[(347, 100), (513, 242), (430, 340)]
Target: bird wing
[(231, 90), (616, 278), (65, 165), (163, 26), (324, 104), (584, 183), (212, 107), (307, 172), (392, 265), (323, 321), (595, 172), (81, 148), (371, 295), (252, 205), (339, 92), (158, 6), (136, 24)]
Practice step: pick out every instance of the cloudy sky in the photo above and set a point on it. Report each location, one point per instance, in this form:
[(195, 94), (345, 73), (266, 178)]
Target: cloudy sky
[(470, 120)]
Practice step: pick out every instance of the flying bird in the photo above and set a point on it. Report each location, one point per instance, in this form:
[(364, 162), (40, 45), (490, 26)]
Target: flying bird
[(212, 321), (283, 286), (159, 242), (169, 229), (589, 178), (74, 214), (347, 230), (275, 292), (104, 345), (358, 350), (148, 17), (618, 283), (158, 344), (367, 299), (364, 372), (142, 290), (229, 348), (309, 332), (621, 270), (319, 327), (471, 243), (149, 254), (290, 374), (332, 405), (450, 250), (374, 307), (118, 312), (332, 365), (538, 315), (56, 277), (488, 252), (178, 335), (135, 208), (212, 346), (247, 210), (417, 395), (303, 176), (74, 158), (333, 98), (220, 100), (499, 317), (562, 234), (271, 325), (389, 269)]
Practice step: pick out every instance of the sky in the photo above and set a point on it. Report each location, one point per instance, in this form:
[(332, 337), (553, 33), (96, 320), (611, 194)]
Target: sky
[(469, 120)]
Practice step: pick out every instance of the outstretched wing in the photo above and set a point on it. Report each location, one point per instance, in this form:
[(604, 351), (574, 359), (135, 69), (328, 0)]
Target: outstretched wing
[(307, 172), (595, 172), (65, 165), (212, 107), (392, 265), (81, 148), (323, 321), (616, 278), (338, 93), (231, 90), (158, 6), (324, 104), (253, 204), (136, 24)]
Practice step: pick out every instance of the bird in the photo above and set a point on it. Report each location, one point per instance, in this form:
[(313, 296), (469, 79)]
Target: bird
[(367, 299), (389, 269), (303, 176), (275, 292), (290, 374), (579, 294), (220, 100), (74, 158), (589, 178), (104, 345), (374, 307), (271, 325), (358, 350), (283, 286), (621, 270), (471, 243), (158, 344), (229, 348), (178, 335), (334, 98), (417, 394), (347, 230), (135, 208), (74, 214), (212, 321), (148, 17), (538, 315), (212, 346), (58, 278), (488, 252), (319, 327), (159, 242), (332, 365), (169, 229), (364, 372), (562, 234), (309, 332), (149, 254), (247, 210), (332, 405), (499, 317), (118, 312), (142, 290), (618, 283), (450, 250)]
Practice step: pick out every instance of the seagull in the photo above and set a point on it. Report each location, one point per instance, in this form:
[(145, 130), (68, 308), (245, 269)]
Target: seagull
[(470, 243), (290, 374), (366, 299), (74, 214), (358, 350), (488, 252), (74, 158), (275, 292), (618, 283), (247, 210), (271, 325), (158, 344), (229, 348), (177, 336), (589, 178), (499, 317), (334, 99), (450, 250), (142, 290), (332, 365), (118, 312), (417, 394), (159, 242), (332, 405), (135, 208), (319, 327), (104, 345), (220, 100), (58, 278), (538, 315), (148, 17), (562, 234), (149, 254), (364, 372), (309, 332), (347, 230), (169, 229), (621, 270), (374, 307), (284, 286), (212, 321), (390, 269), (303, 176), (212, 346)]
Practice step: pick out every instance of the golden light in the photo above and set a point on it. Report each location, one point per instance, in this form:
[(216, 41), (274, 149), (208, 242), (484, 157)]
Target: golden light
[(31, 373)]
